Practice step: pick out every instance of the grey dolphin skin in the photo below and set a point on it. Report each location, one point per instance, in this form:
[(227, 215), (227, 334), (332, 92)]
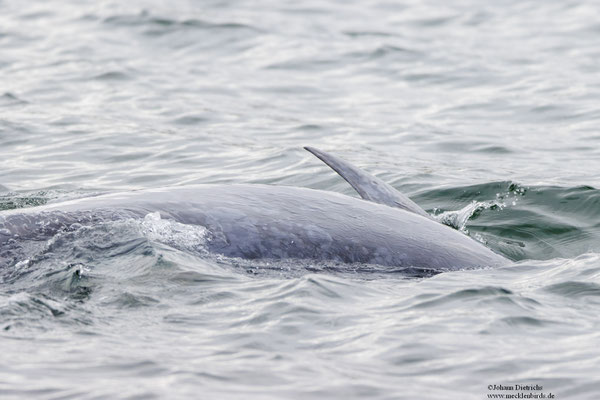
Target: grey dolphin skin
[(275, 223)]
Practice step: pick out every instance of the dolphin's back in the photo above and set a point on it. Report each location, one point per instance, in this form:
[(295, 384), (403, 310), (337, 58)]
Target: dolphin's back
[(278, 222)]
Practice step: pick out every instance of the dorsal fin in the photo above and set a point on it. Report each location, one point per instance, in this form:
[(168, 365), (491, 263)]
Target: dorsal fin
[(368, 186)]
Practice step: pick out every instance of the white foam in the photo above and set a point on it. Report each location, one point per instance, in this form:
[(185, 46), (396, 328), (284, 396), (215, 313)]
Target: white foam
[(458, 219), (173, 233)]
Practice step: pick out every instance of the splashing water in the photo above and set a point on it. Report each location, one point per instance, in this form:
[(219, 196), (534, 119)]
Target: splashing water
[(172, 233), (458, 219), (447, 101)]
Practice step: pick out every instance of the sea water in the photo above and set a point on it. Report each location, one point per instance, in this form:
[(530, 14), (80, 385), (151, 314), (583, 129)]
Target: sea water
[(484, 113)]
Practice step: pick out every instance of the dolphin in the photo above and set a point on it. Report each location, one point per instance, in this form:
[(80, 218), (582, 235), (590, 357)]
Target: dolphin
[(267, 222)]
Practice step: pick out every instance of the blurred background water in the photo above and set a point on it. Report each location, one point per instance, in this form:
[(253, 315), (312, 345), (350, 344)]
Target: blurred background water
[(485, 114)]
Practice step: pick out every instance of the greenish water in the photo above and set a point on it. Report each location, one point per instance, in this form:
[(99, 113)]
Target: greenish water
[(486, 115)]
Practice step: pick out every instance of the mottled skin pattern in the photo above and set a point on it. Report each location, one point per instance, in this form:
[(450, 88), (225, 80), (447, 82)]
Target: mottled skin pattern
[(272, 222)]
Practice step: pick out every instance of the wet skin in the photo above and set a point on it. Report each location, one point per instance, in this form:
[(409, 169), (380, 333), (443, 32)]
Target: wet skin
[(270, 222)]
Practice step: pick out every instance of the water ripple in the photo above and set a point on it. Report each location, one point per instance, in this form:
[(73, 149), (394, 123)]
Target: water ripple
[(484, 113)]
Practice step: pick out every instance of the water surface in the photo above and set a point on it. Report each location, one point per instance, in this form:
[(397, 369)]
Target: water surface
[(485, 114)]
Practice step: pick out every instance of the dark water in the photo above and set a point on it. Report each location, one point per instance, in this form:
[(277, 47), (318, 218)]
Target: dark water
[(485, 114)]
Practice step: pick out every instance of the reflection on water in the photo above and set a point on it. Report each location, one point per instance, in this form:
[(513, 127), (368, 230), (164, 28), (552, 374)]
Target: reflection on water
[(485, 114)]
